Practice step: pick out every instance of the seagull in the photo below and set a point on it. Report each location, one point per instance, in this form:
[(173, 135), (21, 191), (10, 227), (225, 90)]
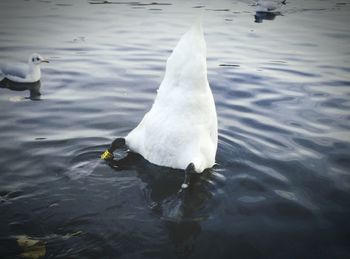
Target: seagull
[(269, 5), (18, 74), (180, 130)]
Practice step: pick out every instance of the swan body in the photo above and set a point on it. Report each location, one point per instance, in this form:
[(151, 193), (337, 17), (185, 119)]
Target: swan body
[(20, 74), (181, 127)]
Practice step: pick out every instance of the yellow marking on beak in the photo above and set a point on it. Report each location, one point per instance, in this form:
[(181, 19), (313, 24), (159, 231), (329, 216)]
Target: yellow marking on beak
[(106, 155)]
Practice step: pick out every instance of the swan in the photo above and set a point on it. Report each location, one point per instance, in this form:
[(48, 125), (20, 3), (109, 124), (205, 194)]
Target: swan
[(18, 74), (180, 130)]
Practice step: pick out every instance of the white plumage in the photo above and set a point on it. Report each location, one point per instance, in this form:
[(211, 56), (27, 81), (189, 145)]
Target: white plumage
[(22, 74), (181, 127), (269, 5)]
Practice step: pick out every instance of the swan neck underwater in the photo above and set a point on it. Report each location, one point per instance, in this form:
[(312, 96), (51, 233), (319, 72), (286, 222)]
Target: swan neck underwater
[(180, 130)]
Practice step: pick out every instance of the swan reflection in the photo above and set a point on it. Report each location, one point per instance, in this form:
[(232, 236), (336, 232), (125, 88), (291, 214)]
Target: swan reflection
[(181, 210)]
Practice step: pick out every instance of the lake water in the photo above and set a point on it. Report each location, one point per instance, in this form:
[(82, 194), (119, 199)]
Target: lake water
[(281, 186)]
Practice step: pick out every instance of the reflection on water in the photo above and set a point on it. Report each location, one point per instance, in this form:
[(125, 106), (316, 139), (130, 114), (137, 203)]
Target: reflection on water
[(163, 193), (33, 88), (261, 16), (282, 96), (181, 210)]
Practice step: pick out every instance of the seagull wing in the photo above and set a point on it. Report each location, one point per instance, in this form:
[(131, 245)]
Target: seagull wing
[(15, 73)]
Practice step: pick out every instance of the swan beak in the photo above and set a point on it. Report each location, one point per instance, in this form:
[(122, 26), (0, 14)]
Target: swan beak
[(45, 61)]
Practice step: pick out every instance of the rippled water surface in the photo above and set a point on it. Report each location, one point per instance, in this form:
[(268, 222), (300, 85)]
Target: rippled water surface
[(281, 83)]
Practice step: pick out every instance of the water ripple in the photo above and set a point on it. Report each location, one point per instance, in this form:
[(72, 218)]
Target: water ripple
[(281, 89)]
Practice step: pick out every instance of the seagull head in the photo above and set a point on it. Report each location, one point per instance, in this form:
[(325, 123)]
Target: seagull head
[(36, 59)]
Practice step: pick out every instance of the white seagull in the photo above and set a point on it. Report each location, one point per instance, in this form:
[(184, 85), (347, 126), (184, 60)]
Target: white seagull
[(18, 74), (180, 131), (269, 5)]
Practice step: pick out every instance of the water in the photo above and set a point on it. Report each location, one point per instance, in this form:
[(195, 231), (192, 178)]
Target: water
[(281, 186)]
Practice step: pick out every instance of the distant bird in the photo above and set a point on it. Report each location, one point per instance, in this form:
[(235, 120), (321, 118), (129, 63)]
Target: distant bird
[(261, 16), (269, 5), (180, 131), (18, 74)]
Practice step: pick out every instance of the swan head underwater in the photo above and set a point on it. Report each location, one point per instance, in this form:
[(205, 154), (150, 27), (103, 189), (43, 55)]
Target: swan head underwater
[(180, 130)]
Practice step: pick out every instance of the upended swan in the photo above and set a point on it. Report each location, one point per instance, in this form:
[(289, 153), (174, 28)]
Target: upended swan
[(180, 130), (18, 74)]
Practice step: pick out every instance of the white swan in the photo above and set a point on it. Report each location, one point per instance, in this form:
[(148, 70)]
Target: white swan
[(19, 74), (180, 130)]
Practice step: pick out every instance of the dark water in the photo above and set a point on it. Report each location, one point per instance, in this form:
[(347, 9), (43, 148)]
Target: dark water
[(281, 186)]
